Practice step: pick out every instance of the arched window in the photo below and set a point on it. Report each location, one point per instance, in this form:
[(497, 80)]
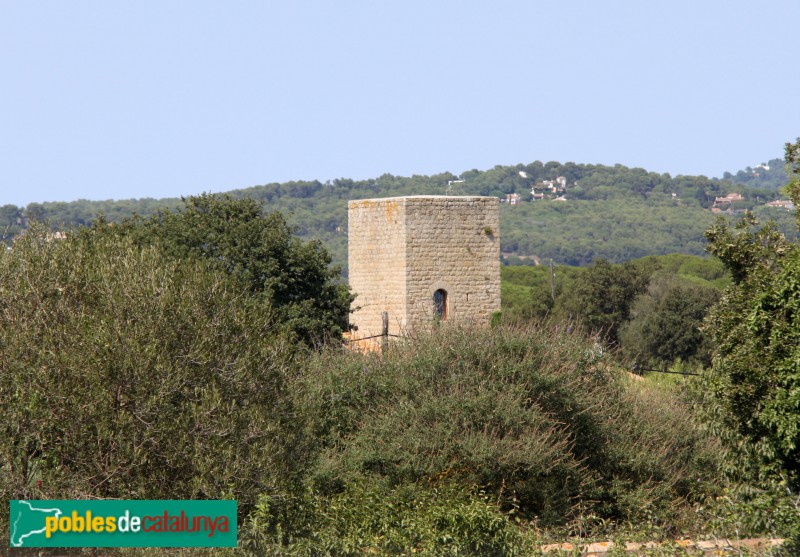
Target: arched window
[(440, 304)]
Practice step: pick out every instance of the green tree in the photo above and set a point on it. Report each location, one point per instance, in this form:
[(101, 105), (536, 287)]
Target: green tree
[(291, 276), (602, 296), (755, 384), (666, 319)]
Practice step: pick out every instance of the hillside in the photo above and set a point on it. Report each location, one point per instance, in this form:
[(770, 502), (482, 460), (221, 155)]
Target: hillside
[(572, 213), (767, 175)]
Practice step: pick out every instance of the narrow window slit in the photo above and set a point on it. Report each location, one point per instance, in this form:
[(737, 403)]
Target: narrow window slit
[(440, 304)]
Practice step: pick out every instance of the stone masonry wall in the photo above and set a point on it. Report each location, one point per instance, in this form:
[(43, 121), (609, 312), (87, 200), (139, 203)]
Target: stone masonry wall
[(401, 250), (376, 241), (452, 243)]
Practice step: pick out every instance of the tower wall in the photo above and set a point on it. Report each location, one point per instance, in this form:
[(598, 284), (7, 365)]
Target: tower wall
[(376, 261), (452, 244)]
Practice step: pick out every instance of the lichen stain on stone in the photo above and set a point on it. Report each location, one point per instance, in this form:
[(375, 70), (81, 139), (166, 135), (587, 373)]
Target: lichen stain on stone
[(390, 207), (361, 204)]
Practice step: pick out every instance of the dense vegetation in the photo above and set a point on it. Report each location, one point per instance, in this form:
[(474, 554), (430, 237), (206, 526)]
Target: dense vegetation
[(748, 335), (765, 176), (616, 213), (182, 355), (652, 308), (291, 277), (505, 428), (754, 387), (128, 374)]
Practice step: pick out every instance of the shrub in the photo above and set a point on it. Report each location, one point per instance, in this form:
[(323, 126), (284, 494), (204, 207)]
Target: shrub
[(540, 419), (125, 374), (376, 518)]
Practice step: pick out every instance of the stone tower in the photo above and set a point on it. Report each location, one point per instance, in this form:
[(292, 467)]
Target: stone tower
[(422, 259)]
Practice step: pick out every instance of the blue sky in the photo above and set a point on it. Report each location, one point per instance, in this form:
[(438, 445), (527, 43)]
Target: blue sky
[(152, 98)]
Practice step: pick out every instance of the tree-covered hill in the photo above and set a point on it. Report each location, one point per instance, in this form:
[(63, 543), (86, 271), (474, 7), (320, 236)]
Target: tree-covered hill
[(767, 175), (579, 212)]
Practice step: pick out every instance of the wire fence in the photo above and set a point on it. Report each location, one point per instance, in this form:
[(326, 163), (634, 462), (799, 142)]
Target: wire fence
[(637, 371), (349, 340)]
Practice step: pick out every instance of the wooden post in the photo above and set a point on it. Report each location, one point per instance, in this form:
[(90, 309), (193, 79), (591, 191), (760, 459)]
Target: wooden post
[(384, 331)]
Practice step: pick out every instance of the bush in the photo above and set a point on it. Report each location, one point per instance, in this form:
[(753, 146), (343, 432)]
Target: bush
[(752, 395), (126, 374), (379, 519), (539, 419), (754, 388)]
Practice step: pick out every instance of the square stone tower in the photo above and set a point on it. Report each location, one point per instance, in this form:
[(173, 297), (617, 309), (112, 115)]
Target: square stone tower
[(422, 259)]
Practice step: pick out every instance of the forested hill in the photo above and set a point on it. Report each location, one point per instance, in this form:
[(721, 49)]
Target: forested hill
[(767, 175), (572, 213)]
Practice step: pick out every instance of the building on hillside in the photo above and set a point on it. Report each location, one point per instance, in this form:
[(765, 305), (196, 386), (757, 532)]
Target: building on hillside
[(513, 198), (422, 260), (557, 186), (781, 204), (730, 198)]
